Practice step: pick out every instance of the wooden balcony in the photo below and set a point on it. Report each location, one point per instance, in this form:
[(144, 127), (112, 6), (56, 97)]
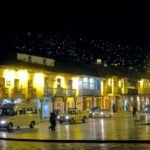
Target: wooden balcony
[(4, 92), (48, 91), (60, 92), (89, 92), (32, 93), (18, 93), (132, 91), (71, 92)]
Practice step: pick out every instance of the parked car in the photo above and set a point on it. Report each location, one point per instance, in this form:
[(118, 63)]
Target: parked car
[(73, 115), (143, 116), (18, 114), (147, 107), (102, 113), (91, 110)]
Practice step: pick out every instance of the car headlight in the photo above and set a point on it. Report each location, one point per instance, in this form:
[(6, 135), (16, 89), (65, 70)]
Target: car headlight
[(67, 117), (3, 122)]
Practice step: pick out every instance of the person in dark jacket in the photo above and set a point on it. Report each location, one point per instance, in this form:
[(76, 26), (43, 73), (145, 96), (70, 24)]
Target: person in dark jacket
[(134, 111), (52, 120)]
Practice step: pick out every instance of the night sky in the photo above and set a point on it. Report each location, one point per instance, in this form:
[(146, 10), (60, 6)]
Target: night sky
[(113, 20)]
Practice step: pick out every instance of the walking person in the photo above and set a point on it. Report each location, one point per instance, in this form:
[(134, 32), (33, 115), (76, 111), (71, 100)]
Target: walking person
[(52, 120), (134, 111)]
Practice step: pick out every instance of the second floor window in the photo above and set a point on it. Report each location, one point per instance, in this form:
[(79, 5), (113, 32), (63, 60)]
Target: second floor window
[(58, 83), (44, 61), (86, 83), (89, 83)]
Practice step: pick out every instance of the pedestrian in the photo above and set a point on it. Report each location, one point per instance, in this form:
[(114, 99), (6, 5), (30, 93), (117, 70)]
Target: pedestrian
[(134, 111), (52, 120), (114, 108)]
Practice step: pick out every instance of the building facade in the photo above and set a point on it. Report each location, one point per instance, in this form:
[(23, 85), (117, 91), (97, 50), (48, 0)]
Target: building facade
[(60, 91)]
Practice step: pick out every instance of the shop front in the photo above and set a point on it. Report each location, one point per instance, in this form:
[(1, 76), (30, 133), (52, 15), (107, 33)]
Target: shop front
[(59, 104), (105, 103), (79, 103), (142, 101), (70, 103)]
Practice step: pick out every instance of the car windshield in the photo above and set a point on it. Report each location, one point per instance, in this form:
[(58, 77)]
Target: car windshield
[(71, 112), (5, 111), (102, 110), (94, 108)]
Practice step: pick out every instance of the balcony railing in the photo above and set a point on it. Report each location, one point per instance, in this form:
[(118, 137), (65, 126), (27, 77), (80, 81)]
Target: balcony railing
[(89, 92), (31, 93), (48, 91), (60, 92), (18, 92), (71, 92), (3, 92), (132, 91)]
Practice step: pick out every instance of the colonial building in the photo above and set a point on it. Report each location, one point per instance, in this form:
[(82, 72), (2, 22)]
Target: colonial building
[(37, 79)]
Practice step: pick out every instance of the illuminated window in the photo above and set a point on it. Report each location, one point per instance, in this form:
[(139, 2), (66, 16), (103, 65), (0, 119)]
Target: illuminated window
[(89, 83), (86, 83), (58, 83), (92, 83)]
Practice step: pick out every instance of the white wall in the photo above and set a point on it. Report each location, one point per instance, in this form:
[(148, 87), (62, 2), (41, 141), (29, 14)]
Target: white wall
[(36, 59)]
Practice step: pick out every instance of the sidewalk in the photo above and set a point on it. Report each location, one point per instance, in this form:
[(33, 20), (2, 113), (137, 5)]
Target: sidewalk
[(122, 112), (44, 119)]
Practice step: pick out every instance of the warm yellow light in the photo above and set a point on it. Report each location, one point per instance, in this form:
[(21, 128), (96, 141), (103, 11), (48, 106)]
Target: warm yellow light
[(63, 85), (110, 82), (99, 61), (141, 82), (9, 77), (9, 74), (39, 79), (23, 75), (75, 83), (119, 83)]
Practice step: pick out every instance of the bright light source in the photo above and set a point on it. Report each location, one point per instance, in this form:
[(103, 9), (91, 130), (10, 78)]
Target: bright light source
[(23, 75), (39, 79)]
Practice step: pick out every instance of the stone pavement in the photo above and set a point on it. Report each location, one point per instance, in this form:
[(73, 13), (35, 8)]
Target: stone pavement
[(15, 145)]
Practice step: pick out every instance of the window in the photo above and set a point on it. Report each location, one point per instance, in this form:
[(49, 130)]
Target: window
[(5, 111), (22, 111), (34, 110), (89, 83), (14, 112), (92, 85), (44, 61), (58, 83), (70, 84), (86, 83)]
